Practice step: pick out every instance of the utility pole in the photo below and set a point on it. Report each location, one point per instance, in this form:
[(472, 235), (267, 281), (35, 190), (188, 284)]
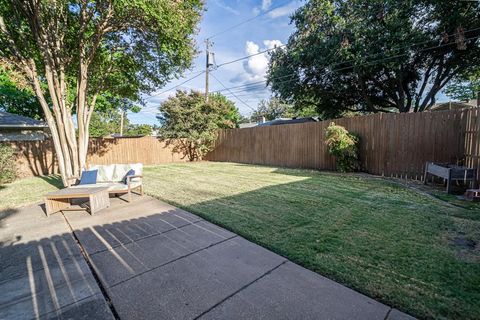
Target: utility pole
[(207, 66), (209, 62)]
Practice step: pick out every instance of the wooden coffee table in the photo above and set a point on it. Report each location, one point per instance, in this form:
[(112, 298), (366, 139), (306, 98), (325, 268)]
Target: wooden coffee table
[(61, 200)]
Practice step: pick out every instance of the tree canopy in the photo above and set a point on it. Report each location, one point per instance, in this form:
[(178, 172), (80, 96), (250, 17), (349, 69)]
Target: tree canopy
[(73, 51), (275, 108), (465, 87), (192, 123), (374, 55), (16, 96), (108, 123)]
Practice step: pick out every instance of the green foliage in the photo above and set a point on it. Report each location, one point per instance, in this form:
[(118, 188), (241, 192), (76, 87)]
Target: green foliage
[(275, 108), (343, 146), (126, 47), (272, 109), (7, 164), (106, 123), (192, 124), (465, 87), (138, 130), (374, 55), (17, 98)]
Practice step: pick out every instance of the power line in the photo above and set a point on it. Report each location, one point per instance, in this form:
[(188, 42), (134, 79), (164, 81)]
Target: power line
[(248, 20), (249, 56), (172, 88), (255, 85), (232, 92)]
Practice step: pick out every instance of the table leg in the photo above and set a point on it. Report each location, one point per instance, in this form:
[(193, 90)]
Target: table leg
[(99, 201), (55, 205)]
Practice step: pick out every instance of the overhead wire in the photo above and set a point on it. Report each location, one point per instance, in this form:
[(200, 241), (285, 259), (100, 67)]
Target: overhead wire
[(178, 85), (247, 20), (231, 92), (258, 84)]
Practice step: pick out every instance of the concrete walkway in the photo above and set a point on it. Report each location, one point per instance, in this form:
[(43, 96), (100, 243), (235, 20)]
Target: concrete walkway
[(150, 260)]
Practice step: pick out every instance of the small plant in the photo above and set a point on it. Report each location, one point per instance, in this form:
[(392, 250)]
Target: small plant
[(343, 145), (7, 164)]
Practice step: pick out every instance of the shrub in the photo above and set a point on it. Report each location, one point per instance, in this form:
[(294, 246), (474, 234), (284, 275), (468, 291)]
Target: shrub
[(343, 146), (7, 164)]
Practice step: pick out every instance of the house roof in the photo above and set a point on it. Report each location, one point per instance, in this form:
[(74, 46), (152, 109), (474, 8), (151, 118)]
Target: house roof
[(10, 120), (288, 121), (454, 105), (247, 125)]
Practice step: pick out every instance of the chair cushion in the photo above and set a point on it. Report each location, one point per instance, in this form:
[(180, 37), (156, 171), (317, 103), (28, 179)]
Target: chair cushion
[(88, 177), (130, 172), (122, 169), (105, 172), (112, 186)]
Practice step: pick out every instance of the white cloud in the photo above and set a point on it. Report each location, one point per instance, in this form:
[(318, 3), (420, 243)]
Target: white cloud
[(263, 7), (266, 4), (255, 68), (285, 10)]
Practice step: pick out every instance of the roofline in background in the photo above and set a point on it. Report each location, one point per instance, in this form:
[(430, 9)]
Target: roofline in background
[(23, 126)]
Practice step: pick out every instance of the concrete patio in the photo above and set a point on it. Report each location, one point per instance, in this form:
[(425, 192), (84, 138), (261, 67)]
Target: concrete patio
[(150, 260)]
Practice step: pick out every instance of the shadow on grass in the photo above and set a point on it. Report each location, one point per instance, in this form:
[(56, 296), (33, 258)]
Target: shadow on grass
[(54, 180), (384, 240)]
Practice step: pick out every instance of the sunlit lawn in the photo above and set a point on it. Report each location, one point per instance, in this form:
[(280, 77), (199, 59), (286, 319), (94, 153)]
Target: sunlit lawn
[(406, 249), (411, 251), (27, 191)]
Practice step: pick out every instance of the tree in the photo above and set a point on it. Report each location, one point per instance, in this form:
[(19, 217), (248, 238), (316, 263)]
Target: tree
[(192, 124), (374, 55), (272, 109), (104, 124), (107, 123), (275, 108), (16, 96), (465, 87), (139, 130), (81, 49)]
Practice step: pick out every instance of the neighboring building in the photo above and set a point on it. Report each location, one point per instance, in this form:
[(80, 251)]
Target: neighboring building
[(19, 128), (288, 121), (454, 105), (247, 125), (278, 121)]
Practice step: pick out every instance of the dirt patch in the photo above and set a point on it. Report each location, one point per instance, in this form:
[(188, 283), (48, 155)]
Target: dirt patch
[(464, 243)]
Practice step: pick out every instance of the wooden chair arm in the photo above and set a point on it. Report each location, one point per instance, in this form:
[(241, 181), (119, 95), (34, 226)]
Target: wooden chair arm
[(129, 178)]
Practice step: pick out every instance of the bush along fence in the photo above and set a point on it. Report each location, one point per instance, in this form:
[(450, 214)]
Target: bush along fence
[(396, 145)]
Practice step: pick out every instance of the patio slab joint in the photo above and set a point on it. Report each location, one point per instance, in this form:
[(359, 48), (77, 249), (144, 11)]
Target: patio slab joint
[(241, 289), (174, 260), (84, 253)]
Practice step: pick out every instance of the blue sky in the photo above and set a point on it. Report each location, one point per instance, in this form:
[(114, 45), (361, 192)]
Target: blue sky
[(270, 27), (264, 32)]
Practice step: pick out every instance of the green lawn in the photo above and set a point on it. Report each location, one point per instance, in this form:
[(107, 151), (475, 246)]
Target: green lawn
[(409, 250), (27, 191), (406, 249)]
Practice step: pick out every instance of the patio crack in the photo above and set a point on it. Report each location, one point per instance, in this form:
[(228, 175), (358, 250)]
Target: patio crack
[(239, 290), (103, 290)]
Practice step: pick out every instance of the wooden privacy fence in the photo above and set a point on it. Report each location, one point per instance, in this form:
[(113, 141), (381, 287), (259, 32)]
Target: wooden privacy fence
[(37, 157), (391, 144)]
